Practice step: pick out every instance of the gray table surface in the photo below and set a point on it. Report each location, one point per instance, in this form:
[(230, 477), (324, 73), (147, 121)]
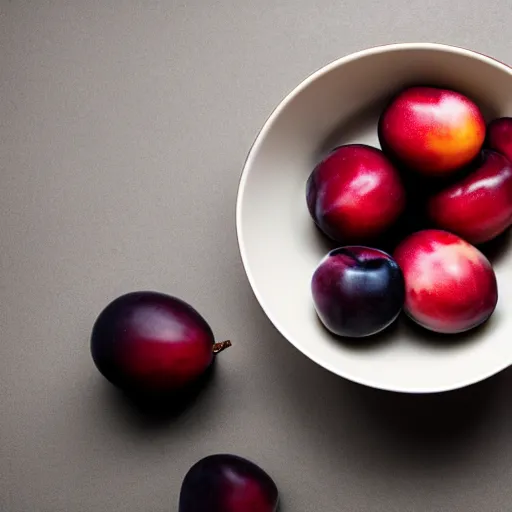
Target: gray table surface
[(123, 129)]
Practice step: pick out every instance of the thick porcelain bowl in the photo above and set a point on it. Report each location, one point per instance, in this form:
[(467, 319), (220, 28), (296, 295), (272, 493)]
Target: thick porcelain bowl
[(281, 247)]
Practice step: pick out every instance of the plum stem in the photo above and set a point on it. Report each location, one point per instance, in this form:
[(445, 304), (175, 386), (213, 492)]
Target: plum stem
[(219, 347)]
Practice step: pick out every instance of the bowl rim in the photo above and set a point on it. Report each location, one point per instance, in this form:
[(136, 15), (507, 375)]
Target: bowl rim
[(254, 149)]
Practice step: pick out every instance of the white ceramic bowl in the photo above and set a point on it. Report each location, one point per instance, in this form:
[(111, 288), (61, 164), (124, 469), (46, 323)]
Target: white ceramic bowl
[(281, 247)]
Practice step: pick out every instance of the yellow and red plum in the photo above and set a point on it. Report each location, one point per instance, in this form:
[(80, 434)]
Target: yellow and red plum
[(152, 343), (479, 207), (450, 286), (357, 291), (227, 483), (431, 130), (499, 136), (355, 194)]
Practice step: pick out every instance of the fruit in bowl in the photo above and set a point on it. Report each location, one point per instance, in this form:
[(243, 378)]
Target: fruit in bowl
[(479, 207), (432, 130), (227, 483), (432, 134), (149, 342), (450, 286), (357, 291), (499, 136), (355, 194)]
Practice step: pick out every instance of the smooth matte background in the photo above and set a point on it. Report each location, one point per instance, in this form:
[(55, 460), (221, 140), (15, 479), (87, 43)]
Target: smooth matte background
[(123, 130)]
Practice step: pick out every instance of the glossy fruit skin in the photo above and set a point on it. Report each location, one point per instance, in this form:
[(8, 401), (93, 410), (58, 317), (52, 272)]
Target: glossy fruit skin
[(227, 483), (357, 291), (151, 342), (499, 136), (479, 207), (450, 286), (431, 130), (355, 194)]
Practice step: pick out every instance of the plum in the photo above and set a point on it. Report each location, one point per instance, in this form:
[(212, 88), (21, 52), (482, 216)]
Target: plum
[(357, 291), (227, 483), (355, 194), (432, 130), (450, 286), (499, 136), (479, 207), (150, 342)]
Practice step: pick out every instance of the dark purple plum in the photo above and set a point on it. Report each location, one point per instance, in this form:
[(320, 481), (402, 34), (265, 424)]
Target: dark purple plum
[(357, 291), (499, 136), (149, 342), (227, 483)]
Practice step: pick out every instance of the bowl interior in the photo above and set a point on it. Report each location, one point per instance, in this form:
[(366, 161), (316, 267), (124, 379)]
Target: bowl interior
[(281, 247)]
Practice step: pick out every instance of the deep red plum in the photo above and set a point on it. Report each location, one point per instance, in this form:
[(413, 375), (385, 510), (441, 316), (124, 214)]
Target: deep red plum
[(499, 136), (355, 194), (479, 207), (431, 130), (152, 342)]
